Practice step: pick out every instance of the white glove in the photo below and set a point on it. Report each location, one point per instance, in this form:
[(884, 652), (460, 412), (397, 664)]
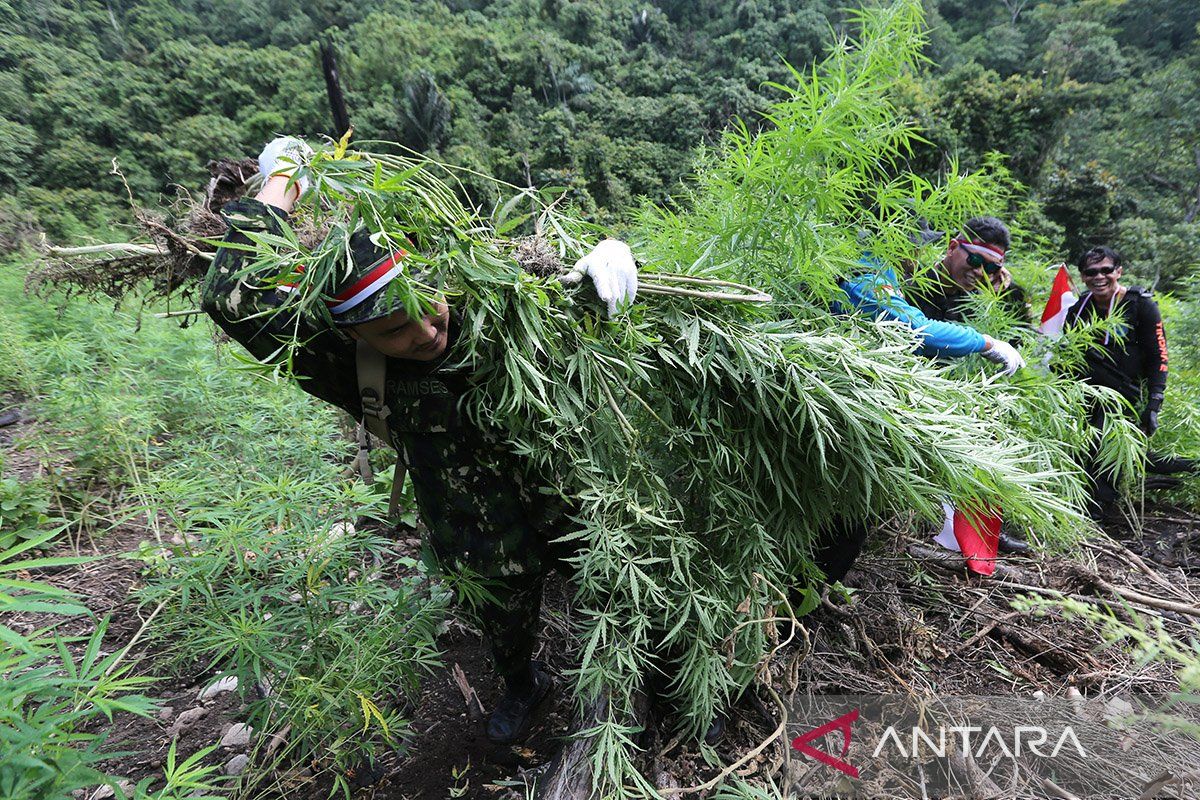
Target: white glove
[(282, 156), (612, 269), (1003, 353)]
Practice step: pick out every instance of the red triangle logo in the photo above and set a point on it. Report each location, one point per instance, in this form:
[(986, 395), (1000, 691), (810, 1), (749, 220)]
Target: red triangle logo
[(842, 723)]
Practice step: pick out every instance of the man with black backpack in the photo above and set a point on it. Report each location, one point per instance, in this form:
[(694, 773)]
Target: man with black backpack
[(1131, 360)]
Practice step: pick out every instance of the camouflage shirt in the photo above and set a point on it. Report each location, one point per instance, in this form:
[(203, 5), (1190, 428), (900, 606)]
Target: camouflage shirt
[(485, 516)]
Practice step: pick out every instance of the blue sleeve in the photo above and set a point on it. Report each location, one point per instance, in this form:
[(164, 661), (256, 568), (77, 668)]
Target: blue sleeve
[(877, 294)]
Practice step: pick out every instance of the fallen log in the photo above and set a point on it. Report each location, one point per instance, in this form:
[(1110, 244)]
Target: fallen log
[(569, 776)]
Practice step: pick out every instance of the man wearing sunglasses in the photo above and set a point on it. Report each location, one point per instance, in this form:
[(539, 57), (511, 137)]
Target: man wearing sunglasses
[(936, 316), (1132, 360), (973, 259)]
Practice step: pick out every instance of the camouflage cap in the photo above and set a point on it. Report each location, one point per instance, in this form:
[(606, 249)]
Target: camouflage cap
[(362, 296)]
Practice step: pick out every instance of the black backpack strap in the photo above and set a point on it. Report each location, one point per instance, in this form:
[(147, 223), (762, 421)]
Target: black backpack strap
[(1076, 308)]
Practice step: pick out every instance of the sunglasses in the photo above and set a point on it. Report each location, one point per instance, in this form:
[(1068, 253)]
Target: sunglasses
[(975, 261), (1092, 272)]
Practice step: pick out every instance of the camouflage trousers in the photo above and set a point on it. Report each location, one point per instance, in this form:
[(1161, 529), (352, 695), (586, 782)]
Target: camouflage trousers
[(491, 526), (511, 625)]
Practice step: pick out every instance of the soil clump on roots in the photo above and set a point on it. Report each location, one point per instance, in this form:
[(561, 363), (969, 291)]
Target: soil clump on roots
[(177, 255)]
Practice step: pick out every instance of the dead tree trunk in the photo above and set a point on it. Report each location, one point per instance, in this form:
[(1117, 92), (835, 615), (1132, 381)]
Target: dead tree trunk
[(569, 776), (333, 87)]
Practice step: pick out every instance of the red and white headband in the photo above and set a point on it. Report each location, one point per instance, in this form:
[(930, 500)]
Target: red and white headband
[(982, 248), (377, 277)]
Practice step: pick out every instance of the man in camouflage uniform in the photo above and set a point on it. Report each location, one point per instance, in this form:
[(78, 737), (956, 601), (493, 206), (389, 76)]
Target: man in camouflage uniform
[(485, 517)]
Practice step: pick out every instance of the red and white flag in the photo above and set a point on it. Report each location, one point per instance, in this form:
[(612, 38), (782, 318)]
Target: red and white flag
[(976, 536), (1062, 297)]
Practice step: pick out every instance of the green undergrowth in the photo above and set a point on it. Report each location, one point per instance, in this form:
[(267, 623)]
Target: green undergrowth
[(253, 563)]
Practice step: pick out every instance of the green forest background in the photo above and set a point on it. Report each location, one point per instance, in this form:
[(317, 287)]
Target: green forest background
[(1096, 103)]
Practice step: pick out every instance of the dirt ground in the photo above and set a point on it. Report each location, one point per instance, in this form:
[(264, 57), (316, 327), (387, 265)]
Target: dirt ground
[(916, 622)]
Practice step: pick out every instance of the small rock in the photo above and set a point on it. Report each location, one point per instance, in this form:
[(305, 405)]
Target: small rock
[(1076, 698), (227, 684), (339, 530), (186, 720), (238, 735), (102, 793), (166, 713), (1118, 709), (1039, 695), (180, 539), (237, 764)]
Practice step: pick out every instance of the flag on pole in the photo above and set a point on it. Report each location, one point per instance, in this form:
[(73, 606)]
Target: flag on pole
[(976, 537), (1062, 297)]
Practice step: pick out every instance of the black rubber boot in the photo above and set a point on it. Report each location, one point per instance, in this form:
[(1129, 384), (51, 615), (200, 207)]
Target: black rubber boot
[(716, 730), (837, 546), (510, 721), (1008, 543)]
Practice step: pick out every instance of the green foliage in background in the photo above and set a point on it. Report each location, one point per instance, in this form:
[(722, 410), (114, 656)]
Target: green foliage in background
[(609, 98)]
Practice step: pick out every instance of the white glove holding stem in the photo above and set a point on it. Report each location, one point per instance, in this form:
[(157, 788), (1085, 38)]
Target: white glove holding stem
[(611, 266), (282, 156), (1003, 353)]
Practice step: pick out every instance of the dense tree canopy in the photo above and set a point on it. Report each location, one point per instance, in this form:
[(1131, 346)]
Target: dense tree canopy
[(1095, 104)]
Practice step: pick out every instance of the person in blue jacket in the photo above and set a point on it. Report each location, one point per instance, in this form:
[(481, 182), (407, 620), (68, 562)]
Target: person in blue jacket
[(877, 292)]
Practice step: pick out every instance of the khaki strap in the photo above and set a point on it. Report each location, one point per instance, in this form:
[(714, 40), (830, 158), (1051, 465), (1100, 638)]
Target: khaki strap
[(372, 376), (397, 489), (372, 372)]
